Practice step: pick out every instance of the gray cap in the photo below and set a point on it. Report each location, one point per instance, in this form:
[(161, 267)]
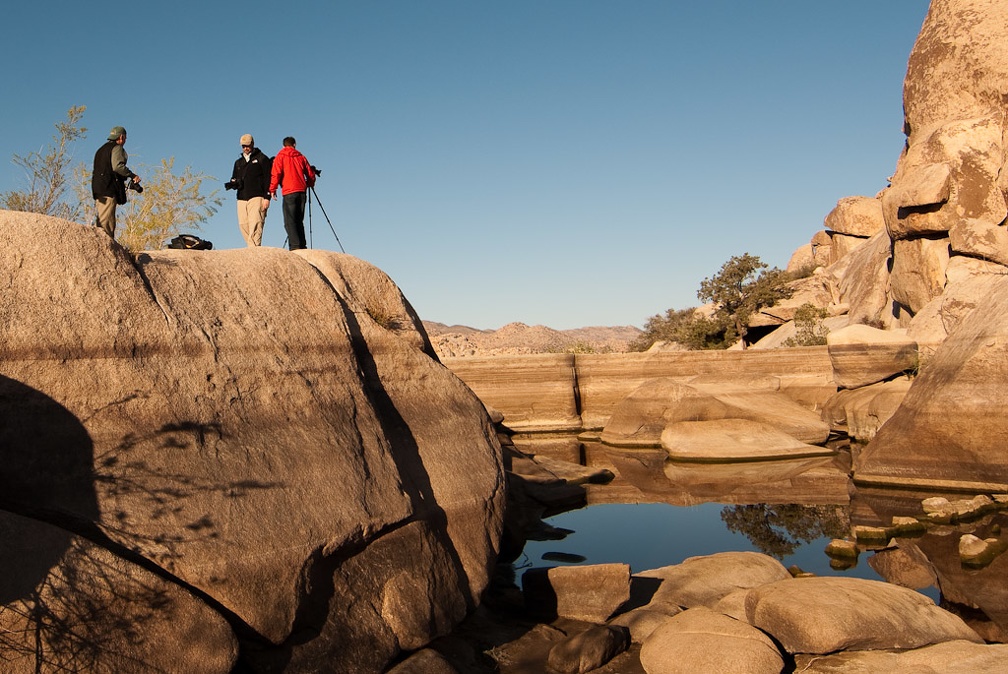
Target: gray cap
[(116, 132)]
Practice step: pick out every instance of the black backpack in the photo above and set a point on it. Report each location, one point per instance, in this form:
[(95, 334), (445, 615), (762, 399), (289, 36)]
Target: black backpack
[(190, 242)]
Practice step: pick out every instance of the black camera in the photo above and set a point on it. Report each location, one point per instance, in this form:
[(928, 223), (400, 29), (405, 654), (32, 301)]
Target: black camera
[(233, 184), (316, 170), (133, 185)]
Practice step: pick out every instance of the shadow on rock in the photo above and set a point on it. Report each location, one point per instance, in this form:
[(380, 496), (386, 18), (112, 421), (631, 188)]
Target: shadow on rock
[(46, 459)]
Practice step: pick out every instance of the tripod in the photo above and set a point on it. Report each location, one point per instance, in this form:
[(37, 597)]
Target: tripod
[(331, 228)]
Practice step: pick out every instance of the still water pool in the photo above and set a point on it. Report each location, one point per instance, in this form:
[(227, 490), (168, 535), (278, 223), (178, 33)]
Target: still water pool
[(652, 535)]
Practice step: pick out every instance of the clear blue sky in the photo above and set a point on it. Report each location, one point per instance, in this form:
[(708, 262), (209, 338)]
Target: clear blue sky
[(558, 162)]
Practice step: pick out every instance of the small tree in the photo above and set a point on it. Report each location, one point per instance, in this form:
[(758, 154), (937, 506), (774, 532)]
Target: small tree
[(742, 286), (168, 204), (48, 172)]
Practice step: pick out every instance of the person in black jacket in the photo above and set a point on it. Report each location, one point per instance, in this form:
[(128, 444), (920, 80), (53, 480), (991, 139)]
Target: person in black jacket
[(251, 180), (108, 180)]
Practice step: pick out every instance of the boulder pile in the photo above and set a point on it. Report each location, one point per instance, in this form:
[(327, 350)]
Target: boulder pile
[(744, 612)]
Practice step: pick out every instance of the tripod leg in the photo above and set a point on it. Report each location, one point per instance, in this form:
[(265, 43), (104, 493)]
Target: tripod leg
[(331, 228)]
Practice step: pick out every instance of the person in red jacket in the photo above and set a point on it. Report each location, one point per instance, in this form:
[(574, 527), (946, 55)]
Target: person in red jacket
[(294, 175)]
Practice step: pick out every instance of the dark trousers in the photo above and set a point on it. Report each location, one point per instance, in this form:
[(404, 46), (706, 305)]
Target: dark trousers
[(293, 212)]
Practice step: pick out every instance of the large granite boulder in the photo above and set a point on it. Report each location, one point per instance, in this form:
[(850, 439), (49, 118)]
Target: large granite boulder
[(826, 614), (950, 657), (944, 432), (725, 440), (860, 412), (918, 271), (969, 281), (863, 281), (863, 355), (263, 430), (856, 216), (705, 580), (589, 593), (701, 640)]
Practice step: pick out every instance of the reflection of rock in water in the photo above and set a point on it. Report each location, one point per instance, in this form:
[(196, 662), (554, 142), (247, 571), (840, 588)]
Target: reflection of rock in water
[(564, 557), (980, 596), (46, 473), (647, 475)]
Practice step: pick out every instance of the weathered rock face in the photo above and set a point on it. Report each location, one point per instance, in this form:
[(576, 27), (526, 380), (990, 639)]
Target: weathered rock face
[(945, 432), (949, 181), (860, 412), (264, 433), (862, 355)]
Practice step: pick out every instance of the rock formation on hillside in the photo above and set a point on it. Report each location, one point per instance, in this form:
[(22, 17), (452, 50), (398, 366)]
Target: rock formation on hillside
[(931, 247), (895, 259), (219, 458)]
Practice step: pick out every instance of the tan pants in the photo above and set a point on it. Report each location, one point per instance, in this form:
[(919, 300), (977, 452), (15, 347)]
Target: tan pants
[(106, 214), (251, 216)]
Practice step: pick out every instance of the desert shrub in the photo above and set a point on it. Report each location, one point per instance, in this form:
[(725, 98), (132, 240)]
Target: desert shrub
[(809, 327), (687, 327)]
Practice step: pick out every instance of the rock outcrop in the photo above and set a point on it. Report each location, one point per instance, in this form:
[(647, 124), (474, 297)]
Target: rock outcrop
[(944, 432), (252, 452), (744, 612), (945, 215)]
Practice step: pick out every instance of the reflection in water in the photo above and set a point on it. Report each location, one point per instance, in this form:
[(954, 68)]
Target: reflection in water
[(653, 535), (657, 512), (978, 595), (780, 529)]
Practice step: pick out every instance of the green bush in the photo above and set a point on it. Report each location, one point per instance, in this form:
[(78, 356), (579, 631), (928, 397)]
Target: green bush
[(809, 327)]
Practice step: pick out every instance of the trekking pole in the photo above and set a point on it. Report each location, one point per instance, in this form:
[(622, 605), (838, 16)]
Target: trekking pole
[(326, 218)]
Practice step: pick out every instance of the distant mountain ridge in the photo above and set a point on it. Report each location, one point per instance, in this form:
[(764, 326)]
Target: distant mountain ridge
[(454, 341)]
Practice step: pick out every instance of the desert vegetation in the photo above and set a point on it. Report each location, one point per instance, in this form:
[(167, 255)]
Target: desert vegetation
[(743, 285), (169, 204)]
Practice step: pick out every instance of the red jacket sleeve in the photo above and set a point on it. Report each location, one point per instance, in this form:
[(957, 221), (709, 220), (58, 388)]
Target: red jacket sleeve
[(276, 173), (309, 174)]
